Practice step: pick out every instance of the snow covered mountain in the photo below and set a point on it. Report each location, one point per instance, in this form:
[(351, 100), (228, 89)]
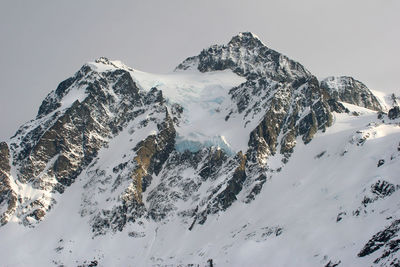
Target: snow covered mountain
[(240, 157)]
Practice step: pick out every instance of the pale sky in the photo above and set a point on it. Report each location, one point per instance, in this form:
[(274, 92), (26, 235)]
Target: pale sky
[(44, 42)]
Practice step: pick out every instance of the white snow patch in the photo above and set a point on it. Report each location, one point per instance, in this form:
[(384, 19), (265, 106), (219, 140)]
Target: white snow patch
[(205, 100)]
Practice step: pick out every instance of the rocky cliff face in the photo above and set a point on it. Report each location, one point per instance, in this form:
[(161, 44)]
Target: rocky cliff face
[(129, 141), (73, 123), (8, 197), (394, 113), (349, 90)]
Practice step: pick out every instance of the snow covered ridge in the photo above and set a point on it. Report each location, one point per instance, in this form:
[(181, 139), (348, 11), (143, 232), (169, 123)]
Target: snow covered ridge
[(240, 157)]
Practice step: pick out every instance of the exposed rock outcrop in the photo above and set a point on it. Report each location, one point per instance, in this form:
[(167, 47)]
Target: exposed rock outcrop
[(349, 90), (8, 197), (394, 113), (52, 151), (386, 239)]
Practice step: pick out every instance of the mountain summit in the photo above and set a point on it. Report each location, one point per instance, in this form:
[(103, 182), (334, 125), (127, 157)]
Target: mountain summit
[(240, 157), (246, 56)]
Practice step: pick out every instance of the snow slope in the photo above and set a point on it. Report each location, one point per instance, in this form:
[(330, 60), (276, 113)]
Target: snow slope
[(204, 97), (294, 221)]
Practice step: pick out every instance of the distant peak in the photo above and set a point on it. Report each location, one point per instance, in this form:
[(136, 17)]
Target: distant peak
[(248, 35), (245, 39), (349, 90), (103, 60), (104, 64), (341, 81)]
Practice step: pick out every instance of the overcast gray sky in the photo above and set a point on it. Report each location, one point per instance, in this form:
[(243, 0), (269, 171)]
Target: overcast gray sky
[(44, 42)]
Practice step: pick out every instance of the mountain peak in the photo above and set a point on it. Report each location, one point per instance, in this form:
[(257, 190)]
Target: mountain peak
[(103, 60), (246, 55), (245, 39), (103, 64), (349, 90)]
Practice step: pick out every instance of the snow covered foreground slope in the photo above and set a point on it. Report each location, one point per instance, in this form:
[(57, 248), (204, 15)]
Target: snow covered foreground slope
[(238, 158)]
